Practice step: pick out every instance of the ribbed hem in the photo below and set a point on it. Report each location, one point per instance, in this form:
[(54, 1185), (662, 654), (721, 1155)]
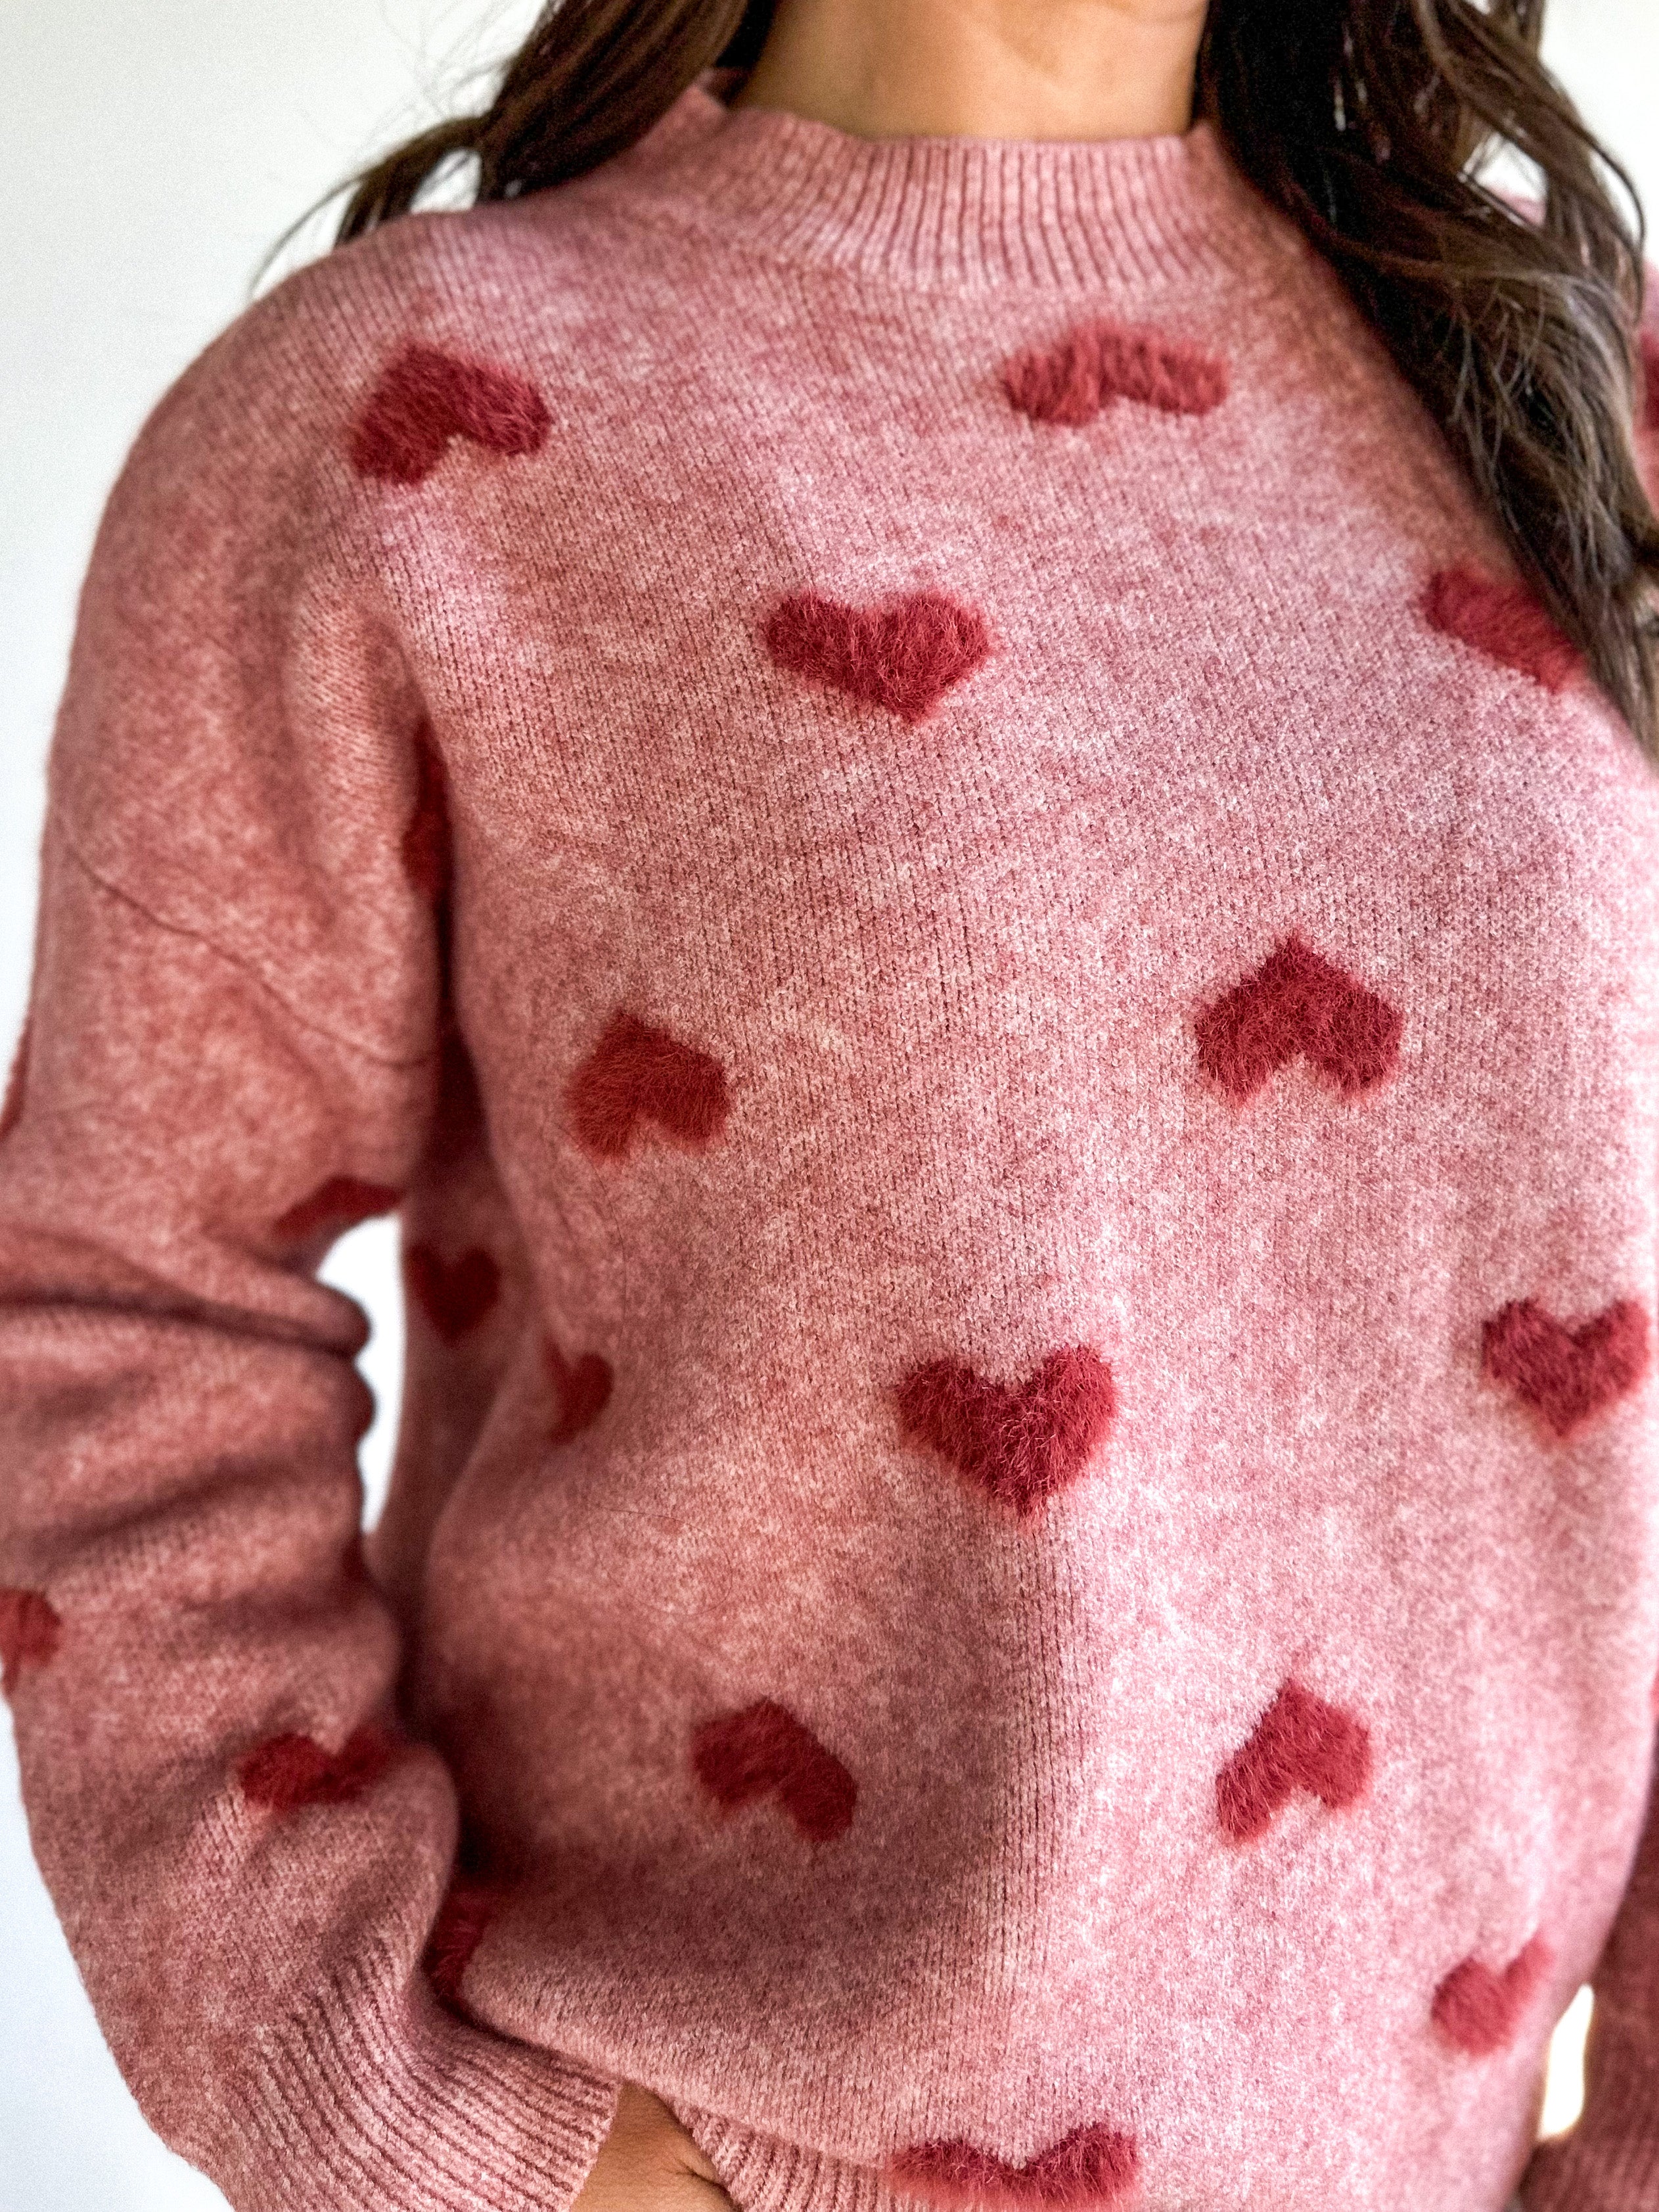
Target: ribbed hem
[(378, 2101), (962, 213), (762, 2174)]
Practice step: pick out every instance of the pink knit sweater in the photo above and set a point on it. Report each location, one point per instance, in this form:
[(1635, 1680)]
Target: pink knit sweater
[(1010, 996)]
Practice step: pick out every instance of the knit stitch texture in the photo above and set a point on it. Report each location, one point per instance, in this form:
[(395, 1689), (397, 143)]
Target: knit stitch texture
[(1010, 992)]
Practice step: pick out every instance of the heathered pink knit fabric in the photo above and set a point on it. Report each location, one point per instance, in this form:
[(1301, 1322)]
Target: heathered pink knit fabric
[(1013, 1002)]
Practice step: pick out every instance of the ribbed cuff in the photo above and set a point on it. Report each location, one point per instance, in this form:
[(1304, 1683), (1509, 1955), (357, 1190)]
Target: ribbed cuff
[(1593, 2171), (377, 2102)]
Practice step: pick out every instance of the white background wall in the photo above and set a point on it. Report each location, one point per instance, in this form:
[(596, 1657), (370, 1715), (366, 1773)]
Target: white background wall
[(155, 151)]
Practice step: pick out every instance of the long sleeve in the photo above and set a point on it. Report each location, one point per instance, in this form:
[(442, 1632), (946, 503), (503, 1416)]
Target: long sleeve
[(229, 1058), (1610, 2160)]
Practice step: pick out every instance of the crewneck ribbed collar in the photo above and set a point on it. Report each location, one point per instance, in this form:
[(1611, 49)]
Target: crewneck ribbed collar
[(953, 213)]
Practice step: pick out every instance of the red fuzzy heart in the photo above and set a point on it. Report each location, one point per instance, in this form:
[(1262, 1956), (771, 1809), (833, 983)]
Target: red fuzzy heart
[(340, 1204), (455, 1295), (1480, 2009), (764, 1751), (1021, 1442), (11, 1108), (903, 654), (1097, 363), (468, 1908), (287, 1771), (1504, 620), (1093, 2165), (428, 847), (636, 1074), (583, 1387), (1566, 1375), (1297, 1003), (426, 397), (1299, 1743), (29, 1633)]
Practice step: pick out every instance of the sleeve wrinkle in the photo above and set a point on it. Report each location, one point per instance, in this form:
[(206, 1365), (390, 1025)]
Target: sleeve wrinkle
[(94, 875)]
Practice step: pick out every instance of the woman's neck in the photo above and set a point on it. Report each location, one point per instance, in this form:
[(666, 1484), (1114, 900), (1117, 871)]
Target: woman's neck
[(986, 68)]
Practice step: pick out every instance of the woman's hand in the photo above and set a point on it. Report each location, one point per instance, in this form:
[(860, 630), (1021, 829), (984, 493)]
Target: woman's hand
[(647, 2163)]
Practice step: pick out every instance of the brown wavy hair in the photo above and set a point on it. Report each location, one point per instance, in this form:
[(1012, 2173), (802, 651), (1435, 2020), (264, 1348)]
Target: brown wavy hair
[(1362, 120)]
